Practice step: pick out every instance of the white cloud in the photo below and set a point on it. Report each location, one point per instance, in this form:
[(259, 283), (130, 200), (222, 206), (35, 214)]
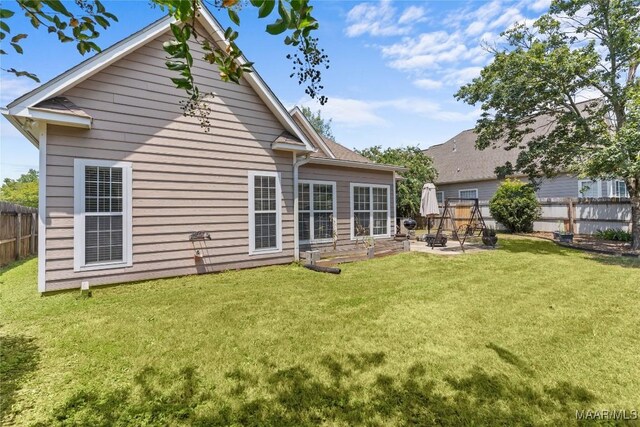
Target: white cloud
[(428, 84), (381, 19), (540, 5), (353, 113), (14, 87)]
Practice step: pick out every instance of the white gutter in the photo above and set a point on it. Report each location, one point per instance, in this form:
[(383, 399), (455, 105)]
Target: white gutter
[(356, 165), (296, 237)]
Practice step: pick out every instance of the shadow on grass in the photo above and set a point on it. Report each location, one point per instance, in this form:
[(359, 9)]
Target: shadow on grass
[(351, 389), (19, 356), (617, 260), (533, 246)]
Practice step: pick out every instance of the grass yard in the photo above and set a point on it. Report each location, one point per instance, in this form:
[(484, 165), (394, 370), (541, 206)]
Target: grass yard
[(523, 335)]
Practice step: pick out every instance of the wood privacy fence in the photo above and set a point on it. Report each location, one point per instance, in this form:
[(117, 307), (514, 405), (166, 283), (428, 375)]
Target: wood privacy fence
[(18, 232)]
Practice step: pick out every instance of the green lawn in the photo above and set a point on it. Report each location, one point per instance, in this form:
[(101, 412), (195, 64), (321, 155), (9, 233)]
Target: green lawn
[(523, 335)]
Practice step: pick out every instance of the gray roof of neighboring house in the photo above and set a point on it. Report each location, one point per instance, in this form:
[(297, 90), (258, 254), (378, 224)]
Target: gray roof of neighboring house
[(458, 160), (341, 152)]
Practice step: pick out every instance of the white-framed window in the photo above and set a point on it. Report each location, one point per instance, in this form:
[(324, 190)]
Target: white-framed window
[(589, 189), (102, 214), (468, 193), (370, 210), (265, 212), (618, 189), (440, 197), (316, 210)]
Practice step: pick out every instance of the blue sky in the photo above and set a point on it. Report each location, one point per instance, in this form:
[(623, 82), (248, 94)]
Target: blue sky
[(395, 65)]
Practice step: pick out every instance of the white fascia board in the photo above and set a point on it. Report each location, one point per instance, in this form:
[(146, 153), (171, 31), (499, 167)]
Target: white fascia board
[(56, 118), (289, 147), (88, 68), (16, 124), (311, 131), (255, 81)]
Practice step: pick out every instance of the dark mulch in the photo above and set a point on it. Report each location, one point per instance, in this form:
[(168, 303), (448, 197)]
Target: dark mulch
[(590, 243)]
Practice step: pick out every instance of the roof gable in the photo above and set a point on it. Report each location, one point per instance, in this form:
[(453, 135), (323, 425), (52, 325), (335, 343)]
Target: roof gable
[(23, 106)]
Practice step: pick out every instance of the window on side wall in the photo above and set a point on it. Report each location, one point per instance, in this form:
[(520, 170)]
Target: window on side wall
[(265, 212), (469, 193), (440, 197), (370, 207), (620, 189), (316, 210), (588, 189), (102, 214)]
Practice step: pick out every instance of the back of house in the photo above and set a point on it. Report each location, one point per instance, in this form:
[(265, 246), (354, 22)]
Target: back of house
[(127, 180)]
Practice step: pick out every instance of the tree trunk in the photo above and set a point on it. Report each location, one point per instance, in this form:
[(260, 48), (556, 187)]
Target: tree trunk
[(635, 220)]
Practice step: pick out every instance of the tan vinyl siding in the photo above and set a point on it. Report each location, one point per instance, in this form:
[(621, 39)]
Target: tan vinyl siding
[(343, 178), (184, 179)]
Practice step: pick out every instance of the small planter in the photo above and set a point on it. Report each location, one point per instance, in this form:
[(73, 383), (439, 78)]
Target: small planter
[(490, 240), (563, 237)]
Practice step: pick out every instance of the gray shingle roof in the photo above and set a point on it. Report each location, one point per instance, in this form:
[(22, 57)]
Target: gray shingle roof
[(341, 152), (458, 160)]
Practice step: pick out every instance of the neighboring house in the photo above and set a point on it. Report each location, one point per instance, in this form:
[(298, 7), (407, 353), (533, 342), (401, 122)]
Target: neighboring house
[(465, 172), (126, 178)]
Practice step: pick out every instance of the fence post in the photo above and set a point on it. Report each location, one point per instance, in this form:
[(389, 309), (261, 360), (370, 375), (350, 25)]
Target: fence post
[(32, 243), (571, 215), (18, 235)]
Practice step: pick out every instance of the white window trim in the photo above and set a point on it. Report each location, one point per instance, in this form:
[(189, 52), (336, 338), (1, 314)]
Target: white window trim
[(252, 212), (311, 211), (598, 184), (371, 211), (79, 215), (468, 189), (438, 193), (611, 186)]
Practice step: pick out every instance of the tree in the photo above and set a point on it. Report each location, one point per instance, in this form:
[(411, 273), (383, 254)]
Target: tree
[(81, 25), (541, 73), (515, 205), (22, 191), (322, 126), (409, 189)]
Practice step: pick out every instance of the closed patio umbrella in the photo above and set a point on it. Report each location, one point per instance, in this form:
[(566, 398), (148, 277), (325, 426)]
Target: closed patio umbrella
[(429, 203)]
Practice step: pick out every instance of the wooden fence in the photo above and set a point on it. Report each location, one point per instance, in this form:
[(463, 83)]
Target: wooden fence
[(18, 232)]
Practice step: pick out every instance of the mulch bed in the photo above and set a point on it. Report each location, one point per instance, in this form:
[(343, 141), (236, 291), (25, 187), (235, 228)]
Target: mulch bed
[(591, 244)]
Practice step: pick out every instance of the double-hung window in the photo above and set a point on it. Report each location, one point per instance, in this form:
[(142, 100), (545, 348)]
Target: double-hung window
[(316, 210), (265, 212), (620, 189), (470, 193), (370, 210), (440, 197), (102, 214), (589, 189)]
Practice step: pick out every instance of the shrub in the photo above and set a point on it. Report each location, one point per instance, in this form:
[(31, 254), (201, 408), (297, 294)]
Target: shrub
[(515, 206), (613, 234)]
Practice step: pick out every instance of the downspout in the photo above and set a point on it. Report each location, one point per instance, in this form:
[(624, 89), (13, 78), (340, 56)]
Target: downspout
[(296, 240)]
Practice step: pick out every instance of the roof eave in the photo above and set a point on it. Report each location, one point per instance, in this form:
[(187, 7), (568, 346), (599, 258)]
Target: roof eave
[(295, 111), (283, 146), (21, 128)]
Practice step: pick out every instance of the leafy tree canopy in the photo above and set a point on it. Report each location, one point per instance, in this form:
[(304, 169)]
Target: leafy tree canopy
[(322, 126), (22, 191), (81, 21), (420, 170), (530, 94)]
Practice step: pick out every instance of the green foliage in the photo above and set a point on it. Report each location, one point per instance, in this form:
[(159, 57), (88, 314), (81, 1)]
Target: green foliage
[(409, 189), (322, 126), (616, 234), (515, 206), (22, 191), (539, 77)]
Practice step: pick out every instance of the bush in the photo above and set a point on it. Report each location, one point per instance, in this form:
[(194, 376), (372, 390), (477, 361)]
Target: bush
[(613, 234), (515, 206)]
